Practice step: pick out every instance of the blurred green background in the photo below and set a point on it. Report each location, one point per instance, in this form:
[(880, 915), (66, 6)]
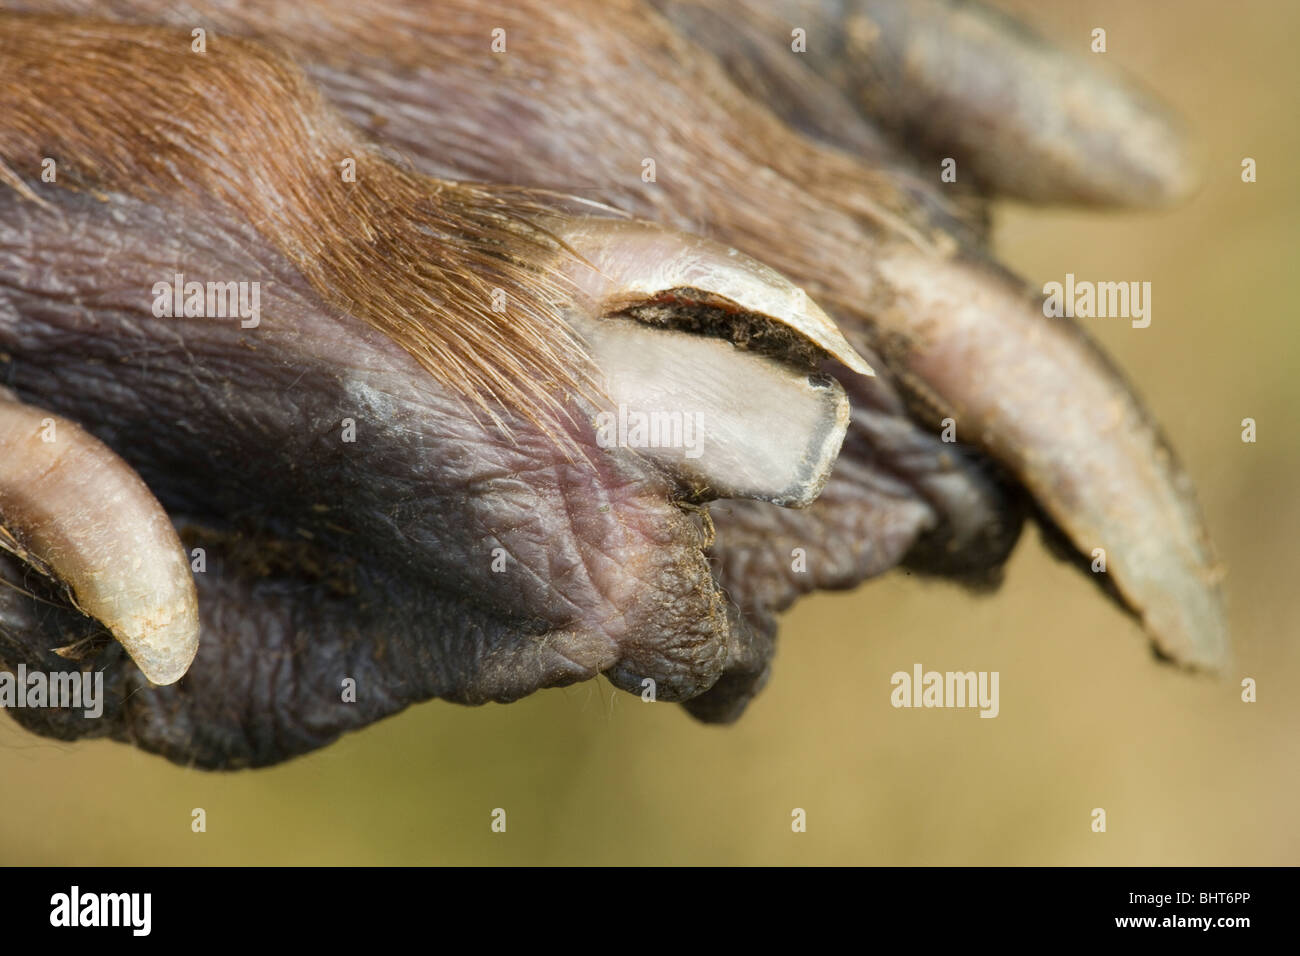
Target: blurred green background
[(1187, 773)]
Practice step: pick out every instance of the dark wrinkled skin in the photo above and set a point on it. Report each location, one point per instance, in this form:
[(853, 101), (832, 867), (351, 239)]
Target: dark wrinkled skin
[(408, 515), (394, 587), (386, 578)]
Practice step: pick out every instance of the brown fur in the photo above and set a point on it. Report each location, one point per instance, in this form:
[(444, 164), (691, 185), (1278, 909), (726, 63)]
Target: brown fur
[(239, 130)]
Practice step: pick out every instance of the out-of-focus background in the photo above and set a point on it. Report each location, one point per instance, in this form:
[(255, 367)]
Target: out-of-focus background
[(1187, 772)]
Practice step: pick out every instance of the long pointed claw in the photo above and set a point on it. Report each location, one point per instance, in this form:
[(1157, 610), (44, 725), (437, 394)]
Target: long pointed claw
[(962, 80), (1038, 396), (71, 507)]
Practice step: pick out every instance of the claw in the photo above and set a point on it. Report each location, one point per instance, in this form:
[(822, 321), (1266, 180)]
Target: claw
[(730, 423), (962, 80), (624, 264), (1037, 395), (70, 507), (1036, 123), (750, 417)]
